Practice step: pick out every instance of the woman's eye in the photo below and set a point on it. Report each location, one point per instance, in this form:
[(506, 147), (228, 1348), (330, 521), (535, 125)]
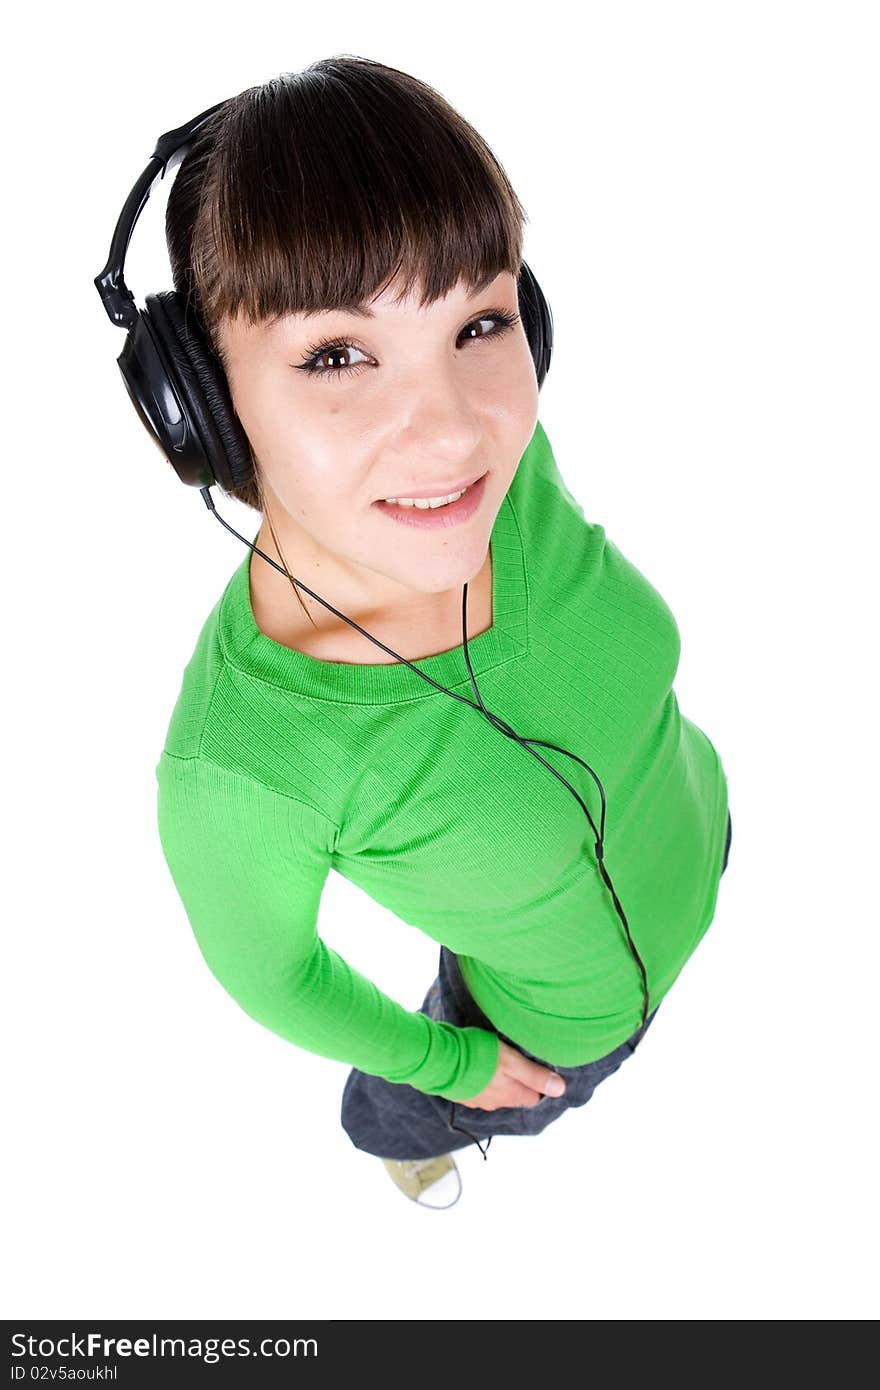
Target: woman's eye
[(338, 355), (506, 321)]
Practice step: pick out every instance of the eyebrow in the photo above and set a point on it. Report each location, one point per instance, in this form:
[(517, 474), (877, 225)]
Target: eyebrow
[(362, 309)]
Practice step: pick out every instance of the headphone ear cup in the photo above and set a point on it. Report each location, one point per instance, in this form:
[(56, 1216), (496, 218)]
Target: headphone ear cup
[(203, 389), (537, 320)]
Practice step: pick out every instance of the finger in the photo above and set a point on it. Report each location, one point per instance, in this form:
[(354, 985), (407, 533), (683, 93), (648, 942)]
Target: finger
[(515, 1095), (545, 1080), (525, 1095), (537, 1078)]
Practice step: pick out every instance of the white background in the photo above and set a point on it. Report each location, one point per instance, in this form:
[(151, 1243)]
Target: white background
[(701, 184)]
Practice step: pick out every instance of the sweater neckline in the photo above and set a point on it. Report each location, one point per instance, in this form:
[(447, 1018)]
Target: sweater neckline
[(249, 649)]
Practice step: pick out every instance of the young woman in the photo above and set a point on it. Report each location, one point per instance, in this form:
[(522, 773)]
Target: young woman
[(353, 250)]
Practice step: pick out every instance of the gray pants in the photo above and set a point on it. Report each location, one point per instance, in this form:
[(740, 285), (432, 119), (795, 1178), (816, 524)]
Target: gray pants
[(393, 1120)]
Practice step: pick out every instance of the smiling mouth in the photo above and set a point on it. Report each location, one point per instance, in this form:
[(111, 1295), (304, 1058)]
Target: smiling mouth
[(439, 515), (429, 493)]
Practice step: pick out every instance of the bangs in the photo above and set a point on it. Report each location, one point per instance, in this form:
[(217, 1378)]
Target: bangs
[(317, 190)]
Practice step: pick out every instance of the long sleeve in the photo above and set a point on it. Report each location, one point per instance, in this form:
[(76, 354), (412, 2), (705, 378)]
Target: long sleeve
[(249, 865)]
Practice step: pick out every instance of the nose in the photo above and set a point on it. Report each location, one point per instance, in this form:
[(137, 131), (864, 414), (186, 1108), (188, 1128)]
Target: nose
[(439, 434)]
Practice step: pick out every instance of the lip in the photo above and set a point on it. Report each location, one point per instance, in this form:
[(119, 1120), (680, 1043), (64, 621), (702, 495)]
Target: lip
[(436, 491), (438, 518)]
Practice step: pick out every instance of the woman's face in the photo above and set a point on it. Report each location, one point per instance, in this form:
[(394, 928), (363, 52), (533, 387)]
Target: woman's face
[(400, 402)]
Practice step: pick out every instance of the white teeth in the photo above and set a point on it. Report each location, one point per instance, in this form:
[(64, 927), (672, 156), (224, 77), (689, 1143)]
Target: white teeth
[(425, 502)]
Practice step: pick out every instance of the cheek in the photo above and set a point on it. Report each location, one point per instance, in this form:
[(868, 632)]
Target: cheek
[(318, 494), (513, 384), (267, 418), (518, 404)]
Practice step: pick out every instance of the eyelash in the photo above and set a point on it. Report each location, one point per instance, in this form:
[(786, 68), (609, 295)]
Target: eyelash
[(317, 351)]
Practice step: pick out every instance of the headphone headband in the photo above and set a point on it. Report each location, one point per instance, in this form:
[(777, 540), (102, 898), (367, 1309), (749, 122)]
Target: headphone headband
[(117, 298)]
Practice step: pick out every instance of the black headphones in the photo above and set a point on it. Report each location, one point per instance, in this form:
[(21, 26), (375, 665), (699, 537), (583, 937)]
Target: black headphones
[(172, 374), (179, 390)]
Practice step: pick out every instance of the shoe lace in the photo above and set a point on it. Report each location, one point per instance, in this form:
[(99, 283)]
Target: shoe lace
[(415, 1165)]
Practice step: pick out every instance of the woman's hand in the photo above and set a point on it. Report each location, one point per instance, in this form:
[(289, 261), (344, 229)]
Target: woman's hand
[(517, 1081)]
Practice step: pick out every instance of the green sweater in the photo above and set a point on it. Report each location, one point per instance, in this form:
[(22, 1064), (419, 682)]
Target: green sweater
[(278, 767)]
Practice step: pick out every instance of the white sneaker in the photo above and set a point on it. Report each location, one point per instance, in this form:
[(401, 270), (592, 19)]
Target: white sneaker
[(428, 1181)]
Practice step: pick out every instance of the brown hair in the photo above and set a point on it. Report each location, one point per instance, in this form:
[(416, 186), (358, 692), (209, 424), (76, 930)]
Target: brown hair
[(314, 190)]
